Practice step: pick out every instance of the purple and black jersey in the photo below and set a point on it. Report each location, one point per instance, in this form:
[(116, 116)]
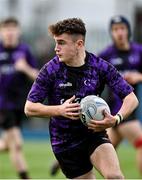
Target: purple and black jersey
[(130, 60), (12, 82), (58, 82)]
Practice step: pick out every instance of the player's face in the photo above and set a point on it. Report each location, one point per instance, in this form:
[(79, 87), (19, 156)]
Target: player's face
[(9, 35), (119, 33), (66, 47)]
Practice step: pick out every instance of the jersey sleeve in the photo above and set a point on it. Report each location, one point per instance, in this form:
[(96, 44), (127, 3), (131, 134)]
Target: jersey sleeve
[(19, 55), (24, 52), (41, 87), (32, 61), (114, 80)]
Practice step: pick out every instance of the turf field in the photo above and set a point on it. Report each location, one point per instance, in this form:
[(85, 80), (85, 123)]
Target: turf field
[(40, 158)]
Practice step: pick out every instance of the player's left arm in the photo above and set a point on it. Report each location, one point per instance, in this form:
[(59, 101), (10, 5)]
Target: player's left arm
[(130, 102), (22, 66), (120, 87)]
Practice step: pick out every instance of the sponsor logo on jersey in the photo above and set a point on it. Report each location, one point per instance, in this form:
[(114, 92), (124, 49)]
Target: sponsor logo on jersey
[(68, 84)]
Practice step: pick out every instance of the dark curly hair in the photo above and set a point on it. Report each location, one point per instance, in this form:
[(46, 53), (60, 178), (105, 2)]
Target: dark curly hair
[(73, 26)]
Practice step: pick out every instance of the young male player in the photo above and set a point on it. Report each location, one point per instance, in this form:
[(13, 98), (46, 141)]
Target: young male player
[(67, 78), (17, 65), (126, 56)]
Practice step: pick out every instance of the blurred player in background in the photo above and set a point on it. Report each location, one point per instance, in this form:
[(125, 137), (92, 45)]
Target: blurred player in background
[(17, 65), (65, 80), (126, 56)]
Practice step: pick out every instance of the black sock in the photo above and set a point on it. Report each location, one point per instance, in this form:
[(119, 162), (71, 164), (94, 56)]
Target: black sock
[(23, 175)]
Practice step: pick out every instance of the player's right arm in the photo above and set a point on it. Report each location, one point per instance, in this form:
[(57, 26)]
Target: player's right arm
[(68, 109), (22, 66), (41, 89)]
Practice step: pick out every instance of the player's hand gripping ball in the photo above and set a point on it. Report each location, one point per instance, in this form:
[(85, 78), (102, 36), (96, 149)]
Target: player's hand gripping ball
[(92, 107)]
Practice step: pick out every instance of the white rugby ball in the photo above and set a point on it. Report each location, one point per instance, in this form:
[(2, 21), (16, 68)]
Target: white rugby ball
[(92, 107)]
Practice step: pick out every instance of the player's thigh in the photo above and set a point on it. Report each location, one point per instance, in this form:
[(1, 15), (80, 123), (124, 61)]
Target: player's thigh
[(114, 136), (131, 130), (88, 175), (105, 159), (13, 136), (75, 162)]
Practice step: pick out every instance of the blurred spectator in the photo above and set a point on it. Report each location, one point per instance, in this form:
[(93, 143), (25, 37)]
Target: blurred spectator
[(17, 65), (126, 56)]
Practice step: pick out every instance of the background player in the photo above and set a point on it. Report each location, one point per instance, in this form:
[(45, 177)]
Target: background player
[(76, 147), (17, 65), (126, 56)]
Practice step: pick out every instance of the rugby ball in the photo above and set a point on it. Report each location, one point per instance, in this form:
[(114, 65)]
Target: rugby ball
[(92, 107)]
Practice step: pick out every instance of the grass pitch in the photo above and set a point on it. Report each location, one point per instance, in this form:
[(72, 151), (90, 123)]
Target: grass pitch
[(40, 157)]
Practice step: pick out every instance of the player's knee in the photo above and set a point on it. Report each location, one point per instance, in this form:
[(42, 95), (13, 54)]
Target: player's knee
[(138, 143), (18, 146), (114, 176)]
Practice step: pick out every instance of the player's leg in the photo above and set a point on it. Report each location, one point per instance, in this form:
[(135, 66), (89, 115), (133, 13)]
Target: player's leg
[(88, 175), (14, 142), (114, 136), (3, 143), (132, 131), (105, 160), (54, 168), (75, 162), (12, 135)]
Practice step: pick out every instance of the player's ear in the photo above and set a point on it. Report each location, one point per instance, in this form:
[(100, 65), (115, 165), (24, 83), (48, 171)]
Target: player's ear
[(80, 43)]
